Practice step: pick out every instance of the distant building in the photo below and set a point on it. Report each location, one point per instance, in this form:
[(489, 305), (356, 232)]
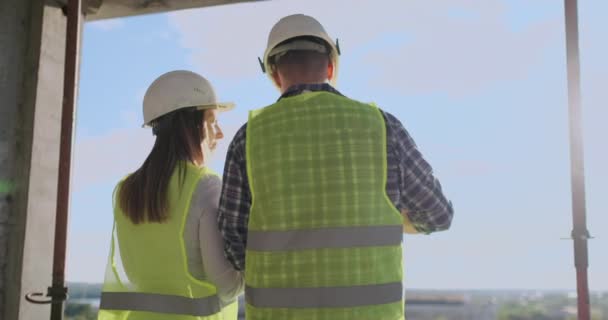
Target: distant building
[(452, 307), (435, 306)]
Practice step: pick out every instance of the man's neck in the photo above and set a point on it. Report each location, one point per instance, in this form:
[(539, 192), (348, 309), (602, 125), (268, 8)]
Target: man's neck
[(288, 86)]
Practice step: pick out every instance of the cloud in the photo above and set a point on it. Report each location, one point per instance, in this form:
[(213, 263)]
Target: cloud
[(107, 25), (108, 157), (455, 46), (459, 56)]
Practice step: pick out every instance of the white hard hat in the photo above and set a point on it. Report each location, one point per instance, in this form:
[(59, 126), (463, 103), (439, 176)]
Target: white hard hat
[(294, 26), (179, 89)]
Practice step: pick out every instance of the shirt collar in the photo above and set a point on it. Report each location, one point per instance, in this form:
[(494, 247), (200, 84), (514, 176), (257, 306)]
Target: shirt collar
[(303, 88)]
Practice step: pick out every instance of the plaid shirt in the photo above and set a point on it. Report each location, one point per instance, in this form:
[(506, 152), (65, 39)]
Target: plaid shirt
[(410, 185)]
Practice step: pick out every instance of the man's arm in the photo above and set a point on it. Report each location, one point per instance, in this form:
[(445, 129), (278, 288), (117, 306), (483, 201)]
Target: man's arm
[(422, 202), (235, 202)]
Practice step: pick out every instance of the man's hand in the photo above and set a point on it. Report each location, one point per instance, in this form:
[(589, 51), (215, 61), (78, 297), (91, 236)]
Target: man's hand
[(408, 227)]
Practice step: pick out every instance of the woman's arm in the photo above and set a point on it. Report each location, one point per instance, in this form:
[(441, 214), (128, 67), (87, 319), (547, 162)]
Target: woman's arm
[(229, 282)]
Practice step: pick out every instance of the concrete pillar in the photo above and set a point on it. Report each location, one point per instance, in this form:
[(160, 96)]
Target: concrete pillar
[(44, 164), (32, 46)]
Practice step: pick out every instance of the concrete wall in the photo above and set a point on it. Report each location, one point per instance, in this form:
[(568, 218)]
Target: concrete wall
[(40, 223), (32, 49), (20, 33)]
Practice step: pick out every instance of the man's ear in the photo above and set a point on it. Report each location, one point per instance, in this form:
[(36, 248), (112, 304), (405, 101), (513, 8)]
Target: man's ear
[(276, 78), (330, 70)]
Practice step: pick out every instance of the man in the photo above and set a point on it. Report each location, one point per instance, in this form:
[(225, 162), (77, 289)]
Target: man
[(318, 190)]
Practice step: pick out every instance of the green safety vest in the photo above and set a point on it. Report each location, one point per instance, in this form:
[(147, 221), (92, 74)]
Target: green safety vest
[(324, 240), (147, 275)]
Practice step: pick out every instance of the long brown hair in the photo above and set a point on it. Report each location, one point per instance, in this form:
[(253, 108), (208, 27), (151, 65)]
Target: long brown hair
[(142, 196)]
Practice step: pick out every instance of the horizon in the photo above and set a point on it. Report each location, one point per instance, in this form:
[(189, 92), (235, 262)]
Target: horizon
[(440, 289)]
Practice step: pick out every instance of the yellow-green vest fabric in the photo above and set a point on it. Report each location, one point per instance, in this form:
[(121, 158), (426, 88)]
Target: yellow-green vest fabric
[(147, 275), (324, 240)]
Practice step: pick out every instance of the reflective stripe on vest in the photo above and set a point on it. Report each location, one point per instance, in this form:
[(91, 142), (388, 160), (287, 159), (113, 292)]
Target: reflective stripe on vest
[(327, 297), (160, 303), (347, 237)]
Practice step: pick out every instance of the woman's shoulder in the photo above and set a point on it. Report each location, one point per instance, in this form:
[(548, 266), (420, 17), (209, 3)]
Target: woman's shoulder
[(117, 187), (207, 193), (207, 178)]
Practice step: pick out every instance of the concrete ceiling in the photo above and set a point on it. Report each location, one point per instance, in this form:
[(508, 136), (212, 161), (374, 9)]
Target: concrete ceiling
[(105, 9)]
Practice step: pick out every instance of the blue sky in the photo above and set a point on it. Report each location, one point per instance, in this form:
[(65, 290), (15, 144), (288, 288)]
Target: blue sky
[(479, 84)]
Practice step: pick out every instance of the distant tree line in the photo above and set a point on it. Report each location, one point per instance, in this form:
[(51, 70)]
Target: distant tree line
[(84, 290), (78, 311)]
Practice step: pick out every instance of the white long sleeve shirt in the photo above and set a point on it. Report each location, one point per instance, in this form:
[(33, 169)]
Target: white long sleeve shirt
[(205, 245)]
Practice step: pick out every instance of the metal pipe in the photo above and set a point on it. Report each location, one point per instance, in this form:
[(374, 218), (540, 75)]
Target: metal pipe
[(580, 235), (74, 12)]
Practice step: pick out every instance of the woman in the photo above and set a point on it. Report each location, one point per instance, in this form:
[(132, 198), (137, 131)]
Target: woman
[(166, 257)]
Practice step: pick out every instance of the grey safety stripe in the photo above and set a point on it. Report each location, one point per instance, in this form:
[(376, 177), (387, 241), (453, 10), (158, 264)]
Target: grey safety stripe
[(327, 297), (160, 303), (349, 237)]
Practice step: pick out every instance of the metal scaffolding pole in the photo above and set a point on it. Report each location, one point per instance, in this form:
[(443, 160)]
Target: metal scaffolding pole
[(580, 234), (74, 16), (57, 292)]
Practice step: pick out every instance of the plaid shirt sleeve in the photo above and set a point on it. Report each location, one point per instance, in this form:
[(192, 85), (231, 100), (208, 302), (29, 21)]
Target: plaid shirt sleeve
[(420, 192), (235, 202)]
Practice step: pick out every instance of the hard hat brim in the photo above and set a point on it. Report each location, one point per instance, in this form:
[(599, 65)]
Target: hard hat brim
[(221, 106)]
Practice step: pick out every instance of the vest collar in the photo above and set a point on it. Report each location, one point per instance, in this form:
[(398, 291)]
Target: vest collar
[(304, 88)]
